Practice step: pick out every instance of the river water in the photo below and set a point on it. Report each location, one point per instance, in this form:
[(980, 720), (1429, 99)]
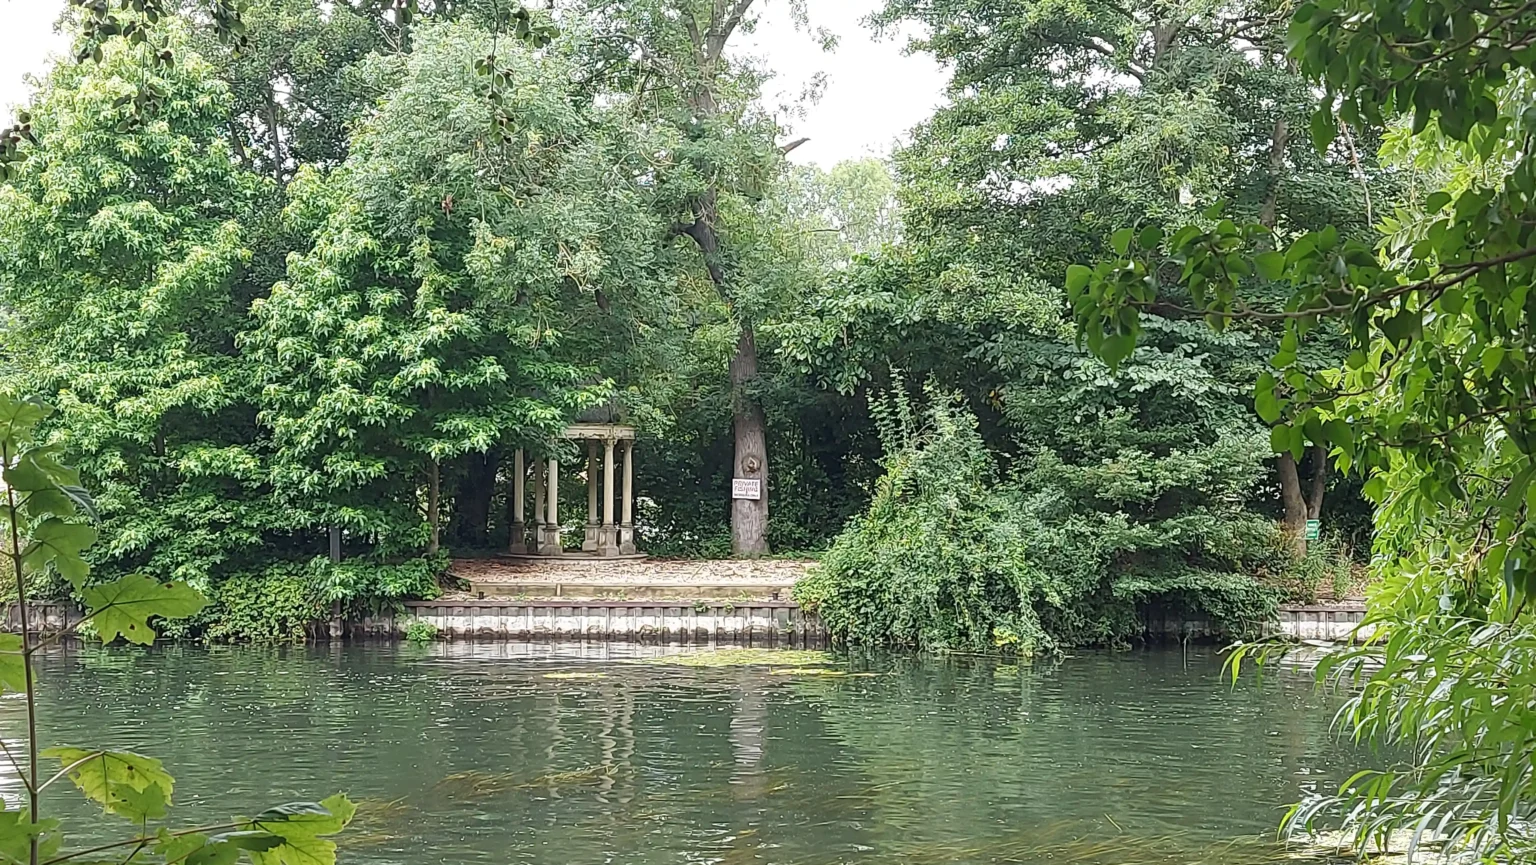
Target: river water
[(495, 753)]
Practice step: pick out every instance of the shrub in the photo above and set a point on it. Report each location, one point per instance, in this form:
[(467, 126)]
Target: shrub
[(1329, 565), (420, 631), (275, 606), (949, 557), (282, 603)]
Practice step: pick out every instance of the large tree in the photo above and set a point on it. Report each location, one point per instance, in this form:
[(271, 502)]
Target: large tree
[(121, 241), (465, 284), (722, 159), (1067, 124), (1433, 404)]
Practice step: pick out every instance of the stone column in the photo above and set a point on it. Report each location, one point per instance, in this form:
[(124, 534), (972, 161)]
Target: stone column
[(551, 545), (608, 544), (589, 542), (517, 544), (536, 542), (627, 528), (552, 518)]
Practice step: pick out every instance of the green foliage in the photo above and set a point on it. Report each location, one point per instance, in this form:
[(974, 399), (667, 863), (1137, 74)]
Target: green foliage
[(125, 784), (1432, 406), (55, 537), (849, 210), (1328, 569), (119, 257), (446, 303), (332, 273), (949, 557), (126, 604), (279, 604), (1063, 126), (420, 631), (451, 290), (284, 603)]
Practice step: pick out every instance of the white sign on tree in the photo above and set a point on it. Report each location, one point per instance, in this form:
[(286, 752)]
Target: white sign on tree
[(746, 488)]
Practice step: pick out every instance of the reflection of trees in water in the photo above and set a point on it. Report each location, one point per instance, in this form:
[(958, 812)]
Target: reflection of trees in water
[(970, 755), (934, 762)]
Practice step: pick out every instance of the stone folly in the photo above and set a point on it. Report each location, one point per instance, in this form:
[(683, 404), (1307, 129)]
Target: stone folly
[(610, 526)]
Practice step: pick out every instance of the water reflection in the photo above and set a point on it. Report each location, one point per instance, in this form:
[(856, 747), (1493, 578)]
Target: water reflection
[(470, 753)]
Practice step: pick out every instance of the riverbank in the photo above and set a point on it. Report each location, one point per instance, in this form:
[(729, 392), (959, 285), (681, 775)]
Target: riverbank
[(746, 621)]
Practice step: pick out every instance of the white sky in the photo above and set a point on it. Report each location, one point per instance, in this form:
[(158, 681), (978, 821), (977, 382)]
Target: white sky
[(874, 93)]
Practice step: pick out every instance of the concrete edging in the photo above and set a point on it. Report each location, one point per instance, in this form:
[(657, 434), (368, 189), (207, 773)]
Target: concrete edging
[(745, 622), (754, 622), (1340, 623)]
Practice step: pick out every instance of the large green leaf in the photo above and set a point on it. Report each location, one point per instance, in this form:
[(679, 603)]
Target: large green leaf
[(179, 848), (302, 826), (59, 501), (148, 803), (117, 780), (18, 417), (1265, 402), (326, 817), (197, 848), (36, 469), (16, 833), (13, 664), (1270, 264), (61, 543), (124, 607)]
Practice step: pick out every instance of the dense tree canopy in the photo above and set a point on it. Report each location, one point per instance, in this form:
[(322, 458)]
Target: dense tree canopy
[(463, 286), (346, 257), (119, 262), (1065, 125), (299, 268)]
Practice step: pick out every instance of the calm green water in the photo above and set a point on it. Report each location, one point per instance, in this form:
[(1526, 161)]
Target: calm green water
[(457, 752)]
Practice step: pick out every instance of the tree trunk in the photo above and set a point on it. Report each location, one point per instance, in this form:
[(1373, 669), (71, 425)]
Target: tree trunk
[(471, 525), (1295, 522), (1319, 482), (1268, 215), (434, 508), (274, 131), (749, 517), (237, 144), (1295, 504)]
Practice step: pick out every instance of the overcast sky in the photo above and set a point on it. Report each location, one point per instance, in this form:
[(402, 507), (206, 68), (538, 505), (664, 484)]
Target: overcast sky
[(874, 93)]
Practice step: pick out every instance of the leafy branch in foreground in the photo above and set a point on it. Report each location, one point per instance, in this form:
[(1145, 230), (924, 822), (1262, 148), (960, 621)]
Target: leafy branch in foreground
[(1435, 406), (44, 517)]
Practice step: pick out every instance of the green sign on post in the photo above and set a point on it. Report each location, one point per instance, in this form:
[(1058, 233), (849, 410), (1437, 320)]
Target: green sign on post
[(1314, 529)]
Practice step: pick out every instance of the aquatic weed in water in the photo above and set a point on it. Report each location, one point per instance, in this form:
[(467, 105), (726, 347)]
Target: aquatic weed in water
[(742, 658)]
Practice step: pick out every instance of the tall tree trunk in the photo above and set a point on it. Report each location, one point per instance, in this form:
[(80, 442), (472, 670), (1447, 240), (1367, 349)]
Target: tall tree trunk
[(1319, 482), (434, 507), (1295, 504), (274, 131), (1278, 140), (471, 524), (749, 517)]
